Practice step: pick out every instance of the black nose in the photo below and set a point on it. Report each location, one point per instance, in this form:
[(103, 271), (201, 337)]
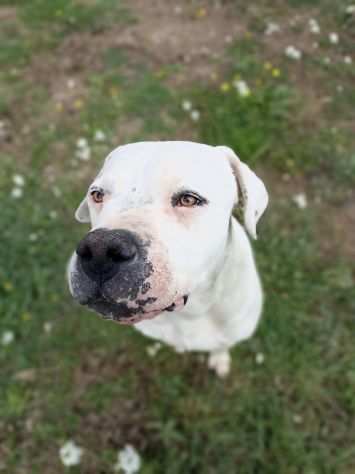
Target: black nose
[(103, 252)]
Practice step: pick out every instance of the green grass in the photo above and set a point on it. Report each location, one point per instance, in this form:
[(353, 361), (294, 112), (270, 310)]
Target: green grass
[(267, 127), (41, 25), (92, 381)]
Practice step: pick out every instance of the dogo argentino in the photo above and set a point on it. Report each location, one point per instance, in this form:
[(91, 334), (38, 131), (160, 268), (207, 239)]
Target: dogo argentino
[(164, 251)]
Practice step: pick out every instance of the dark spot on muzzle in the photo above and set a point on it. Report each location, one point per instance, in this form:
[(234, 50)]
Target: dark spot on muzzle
[(118, 311)]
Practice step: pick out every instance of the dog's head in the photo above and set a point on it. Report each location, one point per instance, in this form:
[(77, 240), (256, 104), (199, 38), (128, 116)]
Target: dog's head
[(159, 214)]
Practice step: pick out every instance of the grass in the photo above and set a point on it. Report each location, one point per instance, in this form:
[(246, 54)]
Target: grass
[(40, 25), (81, 378)]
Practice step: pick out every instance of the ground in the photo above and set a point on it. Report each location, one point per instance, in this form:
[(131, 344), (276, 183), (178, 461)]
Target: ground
[(137, 70)]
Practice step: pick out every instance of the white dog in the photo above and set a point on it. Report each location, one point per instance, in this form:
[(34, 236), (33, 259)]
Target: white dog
[(164, 251)]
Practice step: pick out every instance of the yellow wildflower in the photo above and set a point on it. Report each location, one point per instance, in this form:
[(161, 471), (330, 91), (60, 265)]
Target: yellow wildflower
[(225, 87), (113, 91), (26, 316), (160, 73), (78, 104), (201, 12), (8, 286)]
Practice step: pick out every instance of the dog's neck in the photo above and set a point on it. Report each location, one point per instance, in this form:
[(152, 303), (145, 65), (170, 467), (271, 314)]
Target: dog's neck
[(228, 276)]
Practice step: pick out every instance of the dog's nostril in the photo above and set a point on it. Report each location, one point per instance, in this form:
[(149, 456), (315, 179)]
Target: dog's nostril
[(121, 253), (84, 251)]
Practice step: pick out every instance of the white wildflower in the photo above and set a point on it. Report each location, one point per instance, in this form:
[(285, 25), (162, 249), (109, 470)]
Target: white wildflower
[(70, 454), (53, 214), (19, 180), (348, 60), (16, 193), (300, 200), (153, 349), (186, 105), (99, 136), (334, 38), (327, 60), (82, 142), (71, 83), (259, 358), (350, 9), (293, 53), (56, 191), (33, 237), (297, 419), (83, 154), (47, 327), (2, 130), (242, 88), (228, 39), (272, 28), (7, 338), (314, 26), (340, 88), (195, 115), (128, 460)]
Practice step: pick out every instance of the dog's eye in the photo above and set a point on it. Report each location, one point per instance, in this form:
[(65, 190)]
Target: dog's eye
[(188, 200), (97, 195)]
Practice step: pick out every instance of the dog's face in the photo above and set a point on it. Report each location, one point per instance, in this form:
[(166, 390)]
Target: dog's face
[(159, 213)]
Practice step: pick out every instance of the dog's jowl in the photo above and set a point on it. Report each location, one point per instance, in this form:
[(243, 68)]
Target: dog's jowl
[(164, 251)]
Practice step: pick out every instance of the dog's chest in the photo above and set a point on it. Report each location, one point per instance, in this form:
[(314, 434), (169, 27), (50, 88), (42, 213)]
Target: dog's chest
[(186, 333)]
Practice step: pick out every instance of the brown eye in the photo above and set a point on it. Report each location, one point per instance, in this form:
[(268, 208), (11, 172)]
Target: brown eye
[(188, 200), (97, 195)]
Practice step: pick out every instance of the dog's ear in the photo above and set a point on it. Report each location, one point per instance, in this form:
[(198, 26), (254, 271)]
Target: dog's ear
[(82, 214), (253, 197)]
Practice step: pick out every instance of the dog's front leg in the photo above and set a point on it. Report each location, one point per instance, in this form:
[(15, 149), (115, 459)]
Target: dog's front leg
[(220, 362)]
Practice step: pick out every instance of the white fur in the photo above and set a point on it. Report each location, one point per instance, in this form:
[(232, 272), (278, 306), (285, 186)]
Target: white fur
[(203, 251)]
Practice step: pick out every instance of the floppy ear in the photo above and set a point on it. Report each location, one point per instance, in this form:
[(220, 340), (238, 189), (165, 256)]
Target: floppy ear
[(82, 214), (253, 197)]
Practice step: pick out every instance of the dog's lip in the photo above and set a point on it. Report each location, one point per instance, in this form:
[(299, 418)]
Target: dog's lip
[(178, 304)]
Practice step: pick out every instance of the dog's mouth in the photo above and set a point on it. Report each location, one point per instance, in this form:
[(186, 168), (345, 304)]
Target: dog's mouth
[(123, 314)]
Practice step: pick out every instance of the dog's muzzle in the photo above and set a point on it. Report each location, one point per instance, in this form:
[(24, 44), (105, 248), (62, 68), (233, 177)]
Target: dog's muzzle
[(112, 276)]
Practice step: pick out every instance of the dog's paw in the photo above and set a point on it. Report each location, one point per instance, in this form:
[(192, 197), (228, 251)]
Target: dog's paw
[(220, 362)]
